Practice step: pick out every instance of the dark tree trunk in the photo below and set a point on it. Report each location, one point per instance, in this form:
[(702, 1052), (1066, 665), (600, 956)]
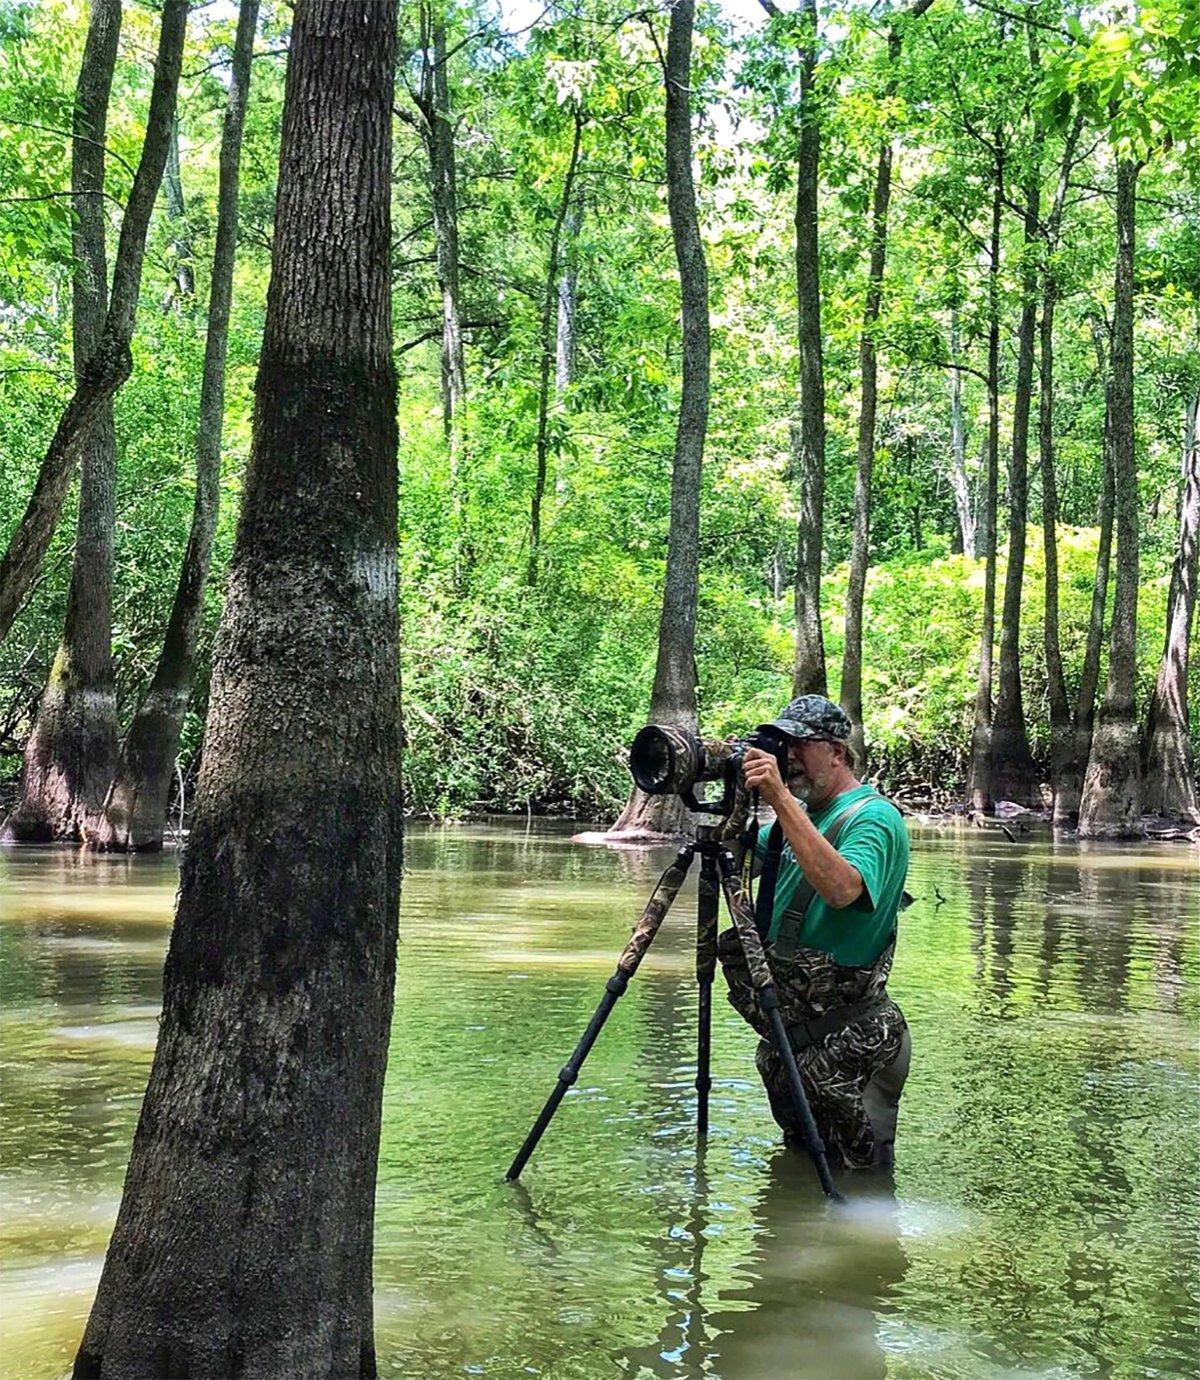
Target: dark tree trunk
[(808, 439), (1012, 773), (981, 736), (546, 340), (243, 1242), (959, 484), (185, 277), (1056, 683), (1168, 771), (673, 699), (69, 756), (1111, 799), (564, 353), (135, 809), (110, 361)]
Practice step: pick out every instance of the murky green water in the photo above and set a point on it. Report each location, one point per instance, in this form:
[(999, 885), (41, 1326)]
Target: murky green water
[(1048, 1190)]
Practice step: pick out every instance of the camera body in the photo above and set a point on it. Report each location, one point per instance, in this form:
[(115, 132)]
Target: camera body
[(665, 759)]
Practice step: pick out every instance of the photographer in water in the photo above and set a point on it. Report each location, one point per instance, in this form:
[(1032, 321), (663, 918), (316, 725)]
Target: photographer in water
[(831, 885)]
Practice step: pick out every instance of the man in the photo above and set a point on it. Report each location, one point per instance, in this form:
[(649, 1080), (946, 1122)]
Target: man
[(832, 884)]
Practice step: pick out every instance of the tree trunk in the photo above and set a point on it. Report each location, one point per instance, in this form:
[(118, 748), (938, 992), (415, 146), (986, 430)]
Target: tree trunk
[(808, 439), (673, 699), (135, 809), (185, 278), (110, 362), (1056, 683), (564, 354), (1168, 772), (243, 1242), (960, 485), (1012, 773), (69, 755), (546, 340), (981, 736), (1112, 788)]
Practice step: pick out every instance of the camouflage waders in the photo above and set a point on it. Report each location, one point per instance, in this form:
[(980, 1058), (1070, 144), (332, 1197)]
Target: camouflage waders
[(854, 1075)]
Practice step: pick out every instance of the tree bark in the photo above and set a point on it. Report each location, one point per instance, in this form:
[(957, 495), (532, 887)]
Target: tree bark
[(564, 353), (110, 361), (243, 1242), (960, 485), (1056, 683), (185, 277), (1012, 772), (1168, 771), (673, 699), (981, 797), (72, 746), (1111, 799), (134, 812), (546, 363)]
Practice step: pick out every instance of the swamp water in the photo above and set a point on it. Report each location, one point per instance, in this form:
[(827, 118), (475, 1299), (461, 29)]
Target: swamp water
[(1047, 1197)]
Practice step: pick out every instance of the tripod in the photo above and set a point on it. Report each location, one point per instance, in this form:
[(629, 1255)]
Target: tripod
[(718, 872)]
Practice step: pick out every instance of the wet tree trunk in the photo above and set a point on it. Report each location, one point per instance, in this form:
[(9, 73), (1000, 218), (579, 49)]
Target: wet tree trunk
[(1168, 771), (673, 699), (1111, 799), (960, 485), (109, 364), (135, 808), (981, 786), (72, 746), (860, 554), (243, 1242), (185, 277), (1056, 683), (546, 362), (1012, 772)]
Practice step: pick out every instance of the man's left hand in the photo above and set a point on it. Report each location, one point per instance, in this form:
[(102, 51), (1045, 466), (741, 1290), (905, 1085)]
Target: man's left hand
[(761, 771)]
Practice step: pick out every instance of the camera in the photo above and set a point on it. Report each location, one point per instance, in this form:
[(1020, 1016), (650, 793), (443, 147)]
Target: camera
[(665, 759)]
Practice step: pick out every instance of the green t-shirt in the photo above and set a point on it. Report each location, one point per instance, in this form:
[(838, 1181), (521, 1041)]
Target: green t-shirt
[(874, 841)]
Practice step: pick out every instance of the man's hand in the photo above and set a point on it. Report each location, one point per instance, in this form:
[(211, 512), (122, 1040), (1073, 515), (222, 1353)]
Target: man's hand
[(761, 771)]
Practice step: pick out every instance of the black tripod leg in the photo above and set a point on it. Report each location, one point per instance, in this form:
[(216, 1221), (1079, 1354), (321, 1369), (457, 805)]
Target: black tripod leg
[(643, 934), (768, 1000), (707, 915)]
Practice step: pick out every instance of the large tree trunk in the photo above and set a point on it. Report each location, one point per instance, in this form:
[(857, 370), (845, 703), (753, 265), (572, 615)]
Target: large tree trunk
[(1112, 788), (981, 786), (960, 485), (1056, 683), (1012, 772), (808, 439), (69, 756), (546, 340), (243, 1242), (673, 699), (1168, 771), (135, 809), (110, 361)]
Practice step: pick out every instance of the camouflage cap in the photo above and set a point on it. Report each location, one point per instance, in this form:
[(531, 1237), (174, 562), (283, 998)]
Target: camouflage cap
[(813, 716)]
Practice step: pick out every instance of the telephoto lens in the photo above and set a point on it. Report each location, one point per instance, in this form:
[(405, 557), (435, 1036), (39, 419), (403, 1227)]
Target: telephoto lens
[(664, 759)]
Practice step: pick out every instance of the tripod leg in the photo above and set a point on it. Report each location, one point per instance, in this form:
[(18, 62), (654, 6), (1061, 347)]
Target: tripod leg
[(706, 965), (633, 953), (768, 1000)]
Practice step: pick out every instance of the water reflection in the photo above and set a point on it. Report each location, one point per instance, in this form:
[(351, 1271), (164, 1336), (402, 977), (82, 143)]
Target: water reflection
[(1046, 1200)]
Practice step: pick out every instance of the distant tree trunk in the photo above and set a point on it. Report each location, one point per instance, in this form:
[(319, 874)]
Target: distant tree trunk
[(564, 355), (135, 808), (673, 699), (1056, 683), (110, 362), (981, 737), (546, 340), (244, 1238), (1168, 771), (70, 751), (960, 485), (185, 278), (1111, 799), (1012, 773)]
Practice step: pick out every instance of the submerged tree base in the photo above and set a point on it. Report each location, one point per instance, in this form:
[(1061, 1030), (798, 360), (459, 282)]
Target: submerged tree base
[(1110, 808)]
